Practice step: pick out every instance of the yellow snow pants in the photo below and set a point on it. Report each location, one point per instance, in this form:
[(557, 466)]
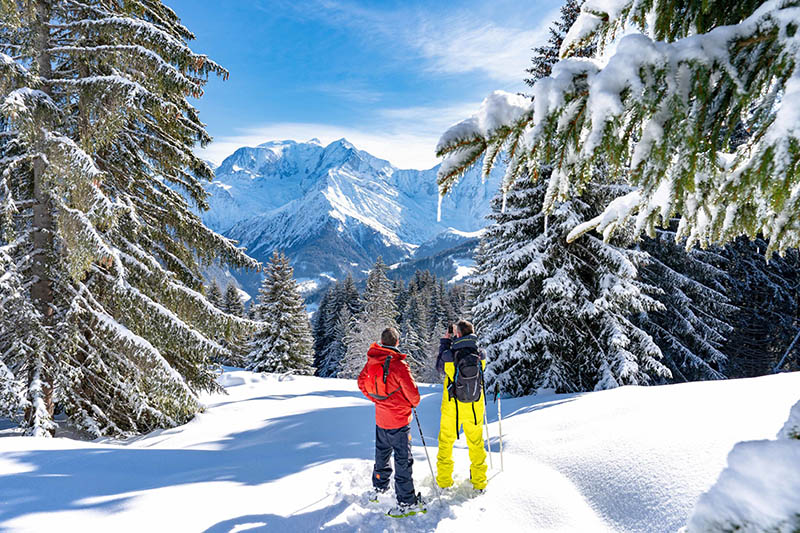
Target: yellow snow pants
[(468, 416)]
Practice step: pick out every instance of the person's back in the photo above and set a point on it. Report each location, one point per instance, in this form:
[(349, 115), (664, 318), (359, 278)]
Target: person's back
[(387, 381), (390, 387), (462, 363)]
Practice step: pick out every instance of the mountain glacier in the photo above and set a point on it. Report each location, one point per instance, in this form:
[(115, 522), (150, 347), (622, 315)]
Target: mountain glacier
[(333, 209)]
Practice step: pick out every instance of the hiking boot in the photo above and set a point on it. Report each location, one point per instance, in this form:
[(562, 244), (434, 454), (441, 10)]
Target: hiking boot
[(375, 493), (401, 510)]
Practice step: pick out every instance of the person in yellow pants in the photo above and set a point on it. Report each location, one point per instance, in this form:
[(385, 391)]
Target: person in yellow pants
[(457, 415)]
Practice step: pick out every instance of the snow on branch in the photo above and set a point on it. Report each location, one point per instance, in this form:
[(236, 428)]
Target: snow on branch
[(20, 105), (659, 114), (144, 32), (155, 62), (463, 144)]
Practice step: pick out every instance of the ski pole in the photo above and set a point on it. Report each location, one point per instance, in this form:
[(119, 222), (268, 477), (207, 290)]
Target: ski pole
[(486, 423), (500, 429), (421, 436)]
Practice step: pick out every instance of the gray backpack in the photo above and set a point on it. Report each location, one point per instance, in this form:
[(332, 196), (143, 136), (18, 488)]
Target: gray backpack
[(468, 379)]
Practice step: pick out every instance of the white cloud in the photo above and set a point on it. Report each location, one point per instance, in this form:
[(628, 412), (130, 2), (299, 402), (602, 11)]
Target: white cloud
[(354, 91), (406, 137), (496, 41), (465, 44)]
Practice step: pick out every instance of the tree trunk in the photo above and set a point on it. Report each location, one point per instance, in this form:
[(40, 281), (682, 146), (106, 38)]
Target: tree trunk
[(43, 229)]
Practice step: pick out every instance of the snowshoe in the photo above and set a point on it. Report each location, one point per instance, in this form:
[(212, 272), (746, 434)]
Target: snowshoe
[(402, 510), (375, 494)]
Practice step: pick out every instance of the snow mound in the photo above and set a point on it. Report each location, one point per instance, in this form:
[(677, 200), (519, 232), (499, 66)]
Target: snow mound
[(758, 491), (760, 488), (791, 430)]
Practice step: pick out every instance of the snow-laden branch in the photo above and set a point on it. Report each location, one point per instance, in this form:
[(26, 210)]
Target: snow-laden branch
[(658, 115)]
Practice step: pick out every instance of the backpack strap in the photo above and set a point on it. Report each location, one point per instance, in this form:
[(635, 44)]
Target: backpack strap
[(378, 397), (457, 424), (386, 368)]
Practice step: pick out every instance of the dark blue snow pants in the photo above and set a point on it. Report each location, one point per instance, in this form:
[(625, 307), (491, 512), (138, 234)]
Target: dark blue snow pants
[(399, 441)]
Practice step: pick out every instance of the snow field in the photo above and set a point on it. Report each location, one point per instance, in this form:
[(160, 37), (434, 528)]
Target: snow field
[(295, 454)]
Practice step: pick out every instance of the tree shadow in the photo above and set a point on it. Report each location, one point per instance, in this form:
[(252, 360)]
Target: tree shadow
[(300, 523), (88, 478), (101, 476)]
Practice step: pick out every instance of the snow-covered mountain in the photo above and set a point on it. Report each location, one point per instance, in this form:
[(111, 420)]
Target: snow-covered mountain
[(333, 209)]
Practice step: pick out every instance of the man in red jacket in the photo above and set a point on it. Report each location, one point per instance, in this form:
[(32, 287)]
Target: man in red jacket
[(387, 381)]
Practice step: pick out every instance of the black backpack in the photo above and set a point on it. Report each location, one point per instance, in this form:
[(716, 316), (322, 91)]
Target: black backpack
[(468, 382)]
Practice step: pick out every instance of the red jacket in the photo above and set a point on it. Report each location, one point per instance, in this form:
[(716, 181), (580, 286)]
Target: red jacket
[(395, 411)]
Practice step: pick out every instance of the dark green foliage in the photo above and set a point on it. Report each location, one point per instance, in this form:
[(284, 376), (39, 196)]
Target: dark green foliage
[(544, 57), (767, 295), (425, 306), (97, 161), (233, 304), (695, 322), (215, 297)]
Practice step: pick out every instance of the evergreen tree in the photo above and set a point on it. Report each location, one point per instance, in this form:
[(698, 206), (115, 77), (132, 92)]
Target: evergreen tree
[(283, 342), (96, 160), (320, 329), (414, 333), (350, 296), (693, 324), (215, 297), (554, 315), (378, 311), (461, 298), (333, 354), (438, 314), (344, 295), (232, 304), (662, 110), (767, 298), (17, 315), (544, 57)]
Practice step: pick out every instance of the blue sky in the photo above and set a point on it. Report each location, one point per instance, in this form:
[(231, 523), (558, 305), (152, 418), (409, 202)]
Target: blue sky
[(389, 76)]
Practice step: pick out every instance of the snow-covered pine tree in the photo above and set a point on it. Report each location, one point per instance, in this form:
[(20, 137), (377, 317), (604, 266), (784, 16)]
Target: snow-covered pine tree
[(343, 295), (378, 311), (346, 295), (17, 316), (414, 332), (461, 297), (679, 80), (334, 352), (319, 328), (96, 139), (544, 57), (400, 296), (554, 315), (439, 312), (693, 324), (215, 297), (283, 342), (233, 304)]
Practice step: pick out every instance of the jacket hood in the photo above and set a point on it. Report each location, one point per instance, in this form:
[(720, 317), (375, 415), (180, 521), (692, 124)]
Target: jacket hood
[(467, 341), (378, 353)]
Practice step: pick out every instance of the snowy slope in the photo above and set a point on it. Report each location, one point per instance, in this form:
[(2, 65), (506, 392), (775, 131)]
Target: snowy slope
[(295, 455), (333, 209)]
